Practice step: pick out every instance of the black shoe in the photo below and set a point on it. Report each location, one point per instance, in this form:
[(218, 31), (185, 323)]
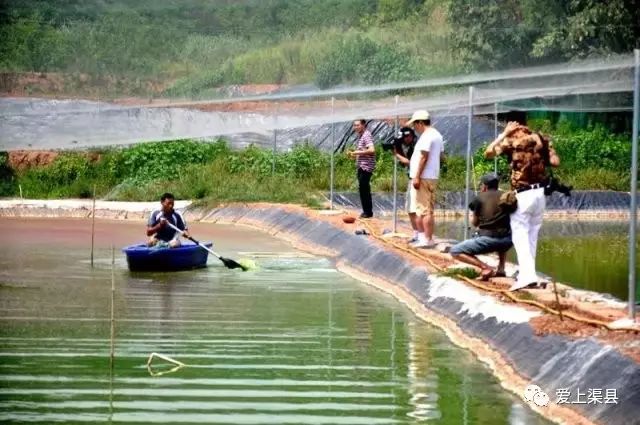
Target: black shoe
[(364, 215)]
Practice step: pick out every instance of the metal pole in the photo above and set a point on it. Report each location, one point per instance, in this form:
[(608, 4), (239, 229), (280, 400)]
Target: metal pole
[(275, 143), (113, 296), (333, 152), (468, 175), (395, 176), (93, 223), (495, 135), (330, 328), (634, 188)]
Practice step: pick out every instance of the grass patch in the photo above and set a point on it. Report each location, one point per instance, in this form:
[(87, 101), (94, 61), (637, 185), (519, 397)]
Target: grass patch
[(527, 296), (467, 272)]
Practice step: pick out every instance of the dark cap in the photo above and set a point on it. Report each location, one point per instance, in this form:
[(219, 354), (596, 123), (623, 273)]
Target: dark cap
[(405, 131), (490, 180)]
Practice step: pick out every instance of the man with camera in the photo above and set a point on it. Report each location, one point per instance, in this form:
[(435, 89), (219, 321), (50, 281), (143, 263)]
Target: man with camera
[(404, 142), (529, 154)]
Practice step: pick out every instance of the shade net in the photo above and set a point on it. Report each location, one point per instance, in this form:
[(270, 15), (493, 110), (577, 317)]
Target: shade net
[(319, 117)]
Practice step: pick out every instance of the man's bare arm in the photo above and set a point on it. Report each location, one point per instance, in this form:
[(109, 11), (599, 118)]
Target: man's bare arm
[(423, 162), (494, 147)]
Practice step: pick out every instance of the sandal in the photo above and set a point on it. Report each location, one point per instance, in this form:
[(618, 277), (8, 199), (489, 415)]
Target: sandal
[(487, 274)]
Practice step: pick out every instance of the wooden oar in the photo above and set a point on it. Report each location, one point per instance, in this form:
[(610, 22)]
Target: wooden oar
[(228, 262)]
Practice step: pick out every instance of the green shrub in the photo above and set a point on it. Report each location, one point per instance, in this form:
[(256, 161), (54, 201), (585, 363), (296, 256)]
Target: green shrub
[(194, 85), (482, 166), (591, 147), (452, 174), (594, 147), (148, 161), (64, 177), (358, 58), (594, 178), (7, 177)]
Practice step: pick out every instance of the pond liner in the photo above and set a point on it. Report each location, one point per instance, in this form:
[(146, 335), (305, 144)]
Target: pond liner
[(551, 361), (579, 201)]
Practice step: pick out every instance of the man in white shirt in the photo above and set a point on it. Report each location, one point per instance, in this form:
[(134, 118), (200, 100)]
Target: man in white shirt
[(424, 171)]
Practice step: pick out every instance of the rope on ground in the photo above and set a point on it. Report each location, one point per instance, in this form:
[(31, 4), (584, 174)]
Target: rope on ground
[(506, 293)]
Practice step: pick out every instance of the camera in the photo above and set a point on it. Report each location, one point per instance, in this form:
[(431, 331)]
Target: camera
[(398, 139), (554, 185), (388, 145)]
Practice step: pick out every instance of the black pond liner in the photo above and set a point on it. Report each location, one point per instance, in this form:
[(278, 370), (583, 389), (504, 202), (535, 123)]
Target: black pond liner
[(592, 200), (552, 361)]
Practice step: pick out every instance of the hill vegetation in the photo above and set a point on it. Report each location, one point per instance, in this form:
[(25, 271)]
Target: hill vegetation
[(188, 47)]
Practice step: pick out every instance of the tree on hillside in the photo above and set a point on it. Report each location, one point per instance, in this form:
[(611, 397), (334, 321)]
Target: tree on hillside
[(492, 33), (393, 10), (592, 27)]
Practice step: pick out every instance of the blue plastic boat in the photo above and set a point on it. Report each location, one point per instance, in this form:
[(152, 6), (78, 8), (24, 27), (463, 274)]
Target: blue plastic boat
[(189, 256)]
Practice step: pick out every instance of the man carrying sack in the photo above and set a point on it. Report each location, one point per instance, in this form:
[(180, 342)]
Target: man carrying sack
[(528, 154)]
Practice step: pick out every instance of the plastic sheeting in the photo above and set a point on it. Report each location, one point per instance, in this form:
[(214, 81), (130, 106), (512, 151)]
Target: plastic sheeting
[(549, 361), (454, 201), (64, 122)]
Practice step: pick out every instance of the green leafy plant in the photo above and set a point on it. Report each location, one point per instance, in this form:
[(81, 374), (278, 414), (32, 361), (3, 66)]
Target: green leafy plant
[(467, 272)]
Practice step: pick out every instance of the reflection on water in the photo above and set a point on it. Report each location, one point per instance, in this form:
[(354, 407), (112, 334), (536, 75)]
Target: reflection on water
[(588, 255), (295, 342)]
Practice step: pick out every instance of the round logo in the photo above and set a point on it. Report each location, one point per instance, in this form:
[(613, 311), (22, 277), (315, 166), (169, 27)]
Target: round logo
[(541, 399), (531, 391)]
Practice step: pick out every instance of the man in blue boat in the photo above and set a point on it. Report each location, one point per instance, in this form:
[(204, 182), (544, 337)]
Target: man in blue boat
[(494, 230), (157, 229)]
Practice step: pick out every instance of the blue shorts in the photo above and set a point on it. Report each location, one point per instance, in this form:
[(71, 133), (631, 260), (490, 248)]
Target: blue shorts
[(482, 245)]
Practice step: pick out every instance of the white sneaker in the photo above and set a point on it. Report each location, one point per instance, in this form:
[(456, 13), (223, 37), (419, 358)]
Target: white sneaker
[(431, 244), (521, 285), (418, 244)]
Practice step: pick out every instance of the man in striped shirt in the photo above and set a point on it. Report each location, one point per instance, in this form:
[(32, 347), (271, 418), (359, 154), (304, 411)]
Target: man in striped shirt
[(365, 156)]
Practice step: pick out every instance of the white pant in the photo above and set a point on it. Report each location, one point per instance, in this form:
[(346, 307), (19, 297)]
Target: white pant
[(525, 225)]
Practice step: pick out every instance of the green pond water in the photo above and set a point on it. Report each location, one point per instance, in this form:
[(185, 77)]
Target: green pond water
[(587, 255), (294, 342)]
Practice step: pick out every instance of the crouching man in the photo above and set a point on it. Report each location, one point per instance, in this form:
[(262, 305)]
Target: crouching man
[(493, 234)]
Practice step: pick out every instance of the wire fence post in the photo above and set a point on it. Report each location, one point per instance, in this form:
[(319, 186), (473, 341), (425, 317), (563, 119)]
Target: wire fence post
[(468, 175), (275, 142), (395, 175), (93, 223), (495, 136), (633, 225), (333, 153), (112, 352)]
